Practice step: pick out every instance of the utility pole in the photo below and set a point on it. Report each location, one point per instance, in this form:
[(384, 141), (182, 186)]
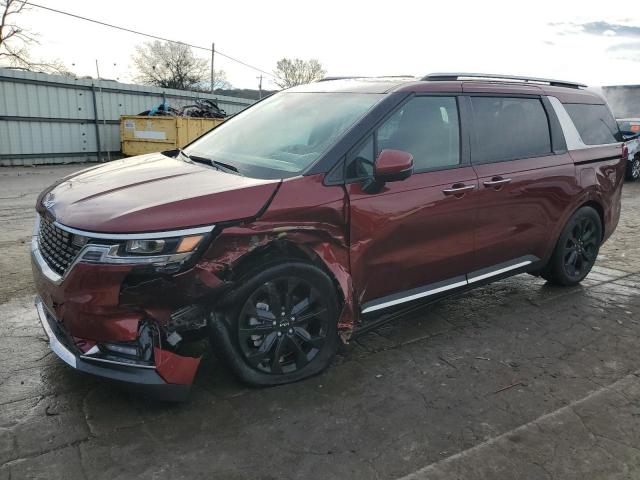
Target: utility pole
[(213, 72), (260, 86), (104, 118)]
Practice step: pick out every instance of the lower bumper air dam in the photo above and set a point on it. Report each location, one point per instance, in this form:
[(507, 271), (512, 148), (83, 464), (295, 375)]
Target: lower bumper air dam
[(142, 379)]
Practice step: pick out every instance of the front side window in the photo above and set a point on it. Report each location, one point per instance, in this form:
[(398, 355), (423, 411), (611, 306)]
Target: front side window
[(509, 129), (427, 128), (595, 123), (283, 135)]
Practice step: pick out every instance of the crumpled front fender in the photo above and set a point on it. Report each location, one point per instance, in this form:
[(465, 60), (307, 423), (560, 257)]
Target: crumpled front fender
[(305, 216)]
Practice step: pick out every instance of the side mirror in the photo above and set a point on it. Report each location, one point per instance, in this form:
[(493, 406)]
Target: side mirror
[(393, 165)]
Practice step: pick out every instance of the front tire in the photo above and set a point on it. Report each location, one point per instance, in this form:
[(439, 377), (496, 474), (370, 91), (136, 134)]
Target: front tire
[(576, 250), (282, 327)]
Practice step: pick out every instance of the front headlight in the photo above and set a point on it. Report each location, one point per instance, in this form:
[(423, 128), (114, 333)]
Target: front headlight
[(154, 250), (167, 253), (162, 246), (145, 247)]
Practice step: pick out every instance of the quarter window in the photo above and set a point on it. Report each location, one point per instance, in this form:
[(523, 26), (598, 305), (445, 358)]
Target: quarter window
[(509, 128), (360, 160), (595, 123)]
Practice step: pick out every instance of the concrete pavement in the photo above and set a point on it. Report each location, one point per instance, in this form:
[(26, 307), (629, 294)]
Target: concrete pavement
[(514, 380)]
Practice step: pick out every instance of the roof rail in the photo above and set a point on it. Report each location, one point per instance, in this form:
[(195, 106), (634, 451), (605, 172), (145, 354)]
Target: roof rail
[(442, 77), (327, 79)]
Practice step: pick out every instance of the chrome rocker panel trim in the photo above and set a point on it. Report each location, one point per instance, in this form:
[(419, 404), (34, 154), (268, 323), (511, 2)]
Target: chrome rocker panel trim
[(450, 284)]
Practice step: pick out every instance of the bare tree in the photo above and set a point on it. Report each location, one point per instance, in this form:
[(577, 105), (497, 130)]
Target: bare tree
[(294, 72), (15, 42), (173, 65), (220, 82)]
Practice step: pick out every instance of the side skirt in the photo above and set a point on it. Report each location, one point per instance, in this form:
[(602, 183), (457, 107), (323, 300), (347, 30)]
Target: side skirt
[(386, 309)]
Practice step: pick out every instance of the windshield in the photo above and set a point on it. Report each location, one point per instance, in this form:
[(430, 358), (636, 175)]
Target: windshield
[(284, 134)]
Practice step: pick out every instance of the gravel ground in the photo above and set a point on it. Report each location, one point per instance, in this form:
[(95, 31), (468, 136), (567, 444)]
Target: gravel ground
[(514, 380)]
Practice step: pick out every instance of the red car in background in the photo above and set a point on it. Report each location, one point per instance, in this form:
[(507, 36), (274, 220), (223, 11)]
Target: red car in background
[(311, 215)]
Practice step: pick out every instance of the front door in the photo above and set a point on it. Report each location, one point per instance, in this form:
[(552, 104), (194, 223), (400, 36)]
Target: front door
[(412, 238)]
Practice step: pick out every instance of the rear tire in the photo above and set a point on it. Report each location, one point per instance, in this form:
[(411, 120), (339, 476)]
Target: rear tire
[(282, 326), (576, 250)]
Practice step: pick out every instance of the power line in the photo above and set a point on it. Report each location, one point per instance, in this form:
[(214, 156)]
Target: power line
[(80, 17)]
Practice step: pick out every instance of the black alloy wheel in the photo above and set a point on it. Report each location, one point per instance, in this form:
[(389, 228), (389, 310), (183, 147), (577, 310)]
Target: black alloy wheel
[(581, 248), (576, 250), (283, 325)]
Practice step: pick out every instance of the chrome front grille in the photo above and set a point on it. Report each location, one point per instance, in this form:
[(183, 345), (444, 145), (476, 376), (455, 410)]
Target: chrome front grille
[(56, 246)]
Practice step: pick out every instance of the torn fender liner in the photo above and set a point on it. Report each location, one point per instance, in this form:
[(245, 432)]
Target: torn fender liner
[(236, 243), (305, 219), (175, 368)]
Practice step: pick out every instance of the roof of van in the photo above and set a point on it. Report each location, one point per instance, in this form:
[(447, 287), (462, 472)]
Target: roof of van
[(354, 84), (566, 92)]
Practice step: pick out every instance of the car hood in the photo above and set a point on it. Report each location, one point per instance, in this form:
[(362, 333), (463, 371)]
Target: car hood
[(153, 193)]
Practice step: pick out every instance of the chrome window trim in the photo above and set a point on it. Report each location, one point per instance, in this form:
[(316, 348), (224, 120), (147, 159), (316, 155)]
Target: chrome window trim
[(571, 134), (137, 236)]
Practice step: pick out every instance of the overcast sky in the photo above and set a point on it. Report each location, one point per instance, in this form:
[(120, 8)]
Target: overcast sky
[(593, 42)]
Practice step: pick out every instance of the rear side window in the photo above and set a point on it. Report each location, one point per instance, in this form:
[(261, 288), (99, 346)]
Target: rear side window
[(509, 128), (595, 123)]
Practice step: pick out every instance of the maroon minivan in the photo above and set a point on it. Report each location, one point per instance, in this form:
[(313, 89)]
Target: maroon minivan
[(317, 213)]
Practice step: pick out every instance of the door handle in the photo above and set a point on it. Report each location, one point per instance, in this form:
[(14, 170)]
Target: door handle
[(458, 189), (497, 182)]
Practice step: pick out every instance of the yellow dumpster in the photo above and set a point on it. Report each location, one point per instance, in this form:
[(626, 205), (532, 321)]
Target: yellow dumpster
[(142, 134)]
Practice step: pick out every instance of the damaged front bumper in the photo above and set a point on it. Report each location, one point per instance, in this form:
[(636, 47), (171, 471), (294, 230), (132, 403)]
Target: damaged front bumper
[(146, 379)]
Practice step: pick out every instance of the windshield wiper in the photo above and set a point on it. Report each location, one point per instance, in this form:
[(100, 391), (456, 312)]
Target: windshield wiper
[(208, 161), (226, 166), (197, 159), (214, 163)]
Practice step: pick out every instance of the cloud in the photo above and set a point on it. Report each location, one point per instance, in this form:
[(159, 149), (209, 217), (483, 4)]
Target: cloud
[(626, 51), (635, 46), (600, 28), (606, 28)]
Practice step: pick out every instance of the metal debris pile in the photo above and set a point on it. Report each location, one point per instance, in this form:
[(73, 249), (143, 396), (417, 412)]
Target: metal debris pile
[(202, 108)]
